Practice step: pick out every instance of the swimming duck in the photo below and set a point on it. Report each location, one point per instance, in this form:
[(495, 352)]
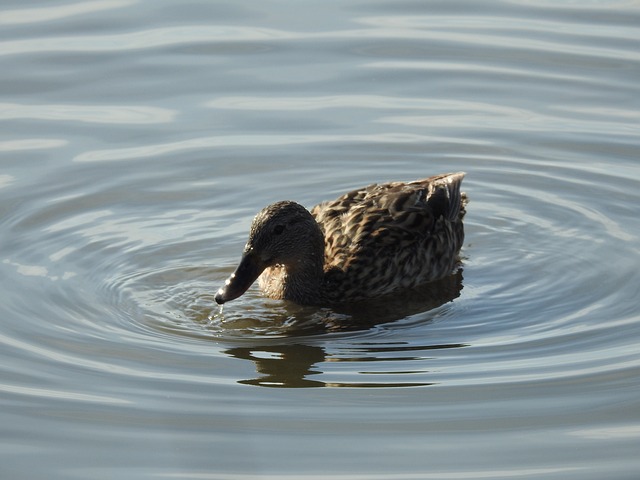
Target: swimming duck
[(369, 242)]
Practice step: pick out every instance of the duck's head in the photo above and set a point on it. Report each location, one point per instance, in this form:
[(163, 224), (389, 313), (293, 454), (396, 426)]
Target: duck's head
[(284, 233)]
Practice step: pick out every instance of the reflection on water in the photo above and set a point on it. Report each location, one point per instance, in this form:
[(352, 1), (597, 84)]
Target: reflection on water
[(293, 365), (282, 365)]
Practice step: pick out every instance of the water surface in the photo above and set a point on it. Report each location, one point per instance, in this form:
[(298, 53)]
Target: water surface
[(139, 139)]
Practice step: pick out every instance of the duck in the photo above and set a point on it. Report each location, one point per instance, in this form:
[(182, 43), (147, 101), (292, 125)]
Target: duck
[(370, 242)]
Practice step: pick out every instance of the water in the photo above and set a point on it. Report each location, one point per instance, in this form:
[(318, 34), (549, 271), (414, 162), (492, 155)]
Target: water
[(138, 140)]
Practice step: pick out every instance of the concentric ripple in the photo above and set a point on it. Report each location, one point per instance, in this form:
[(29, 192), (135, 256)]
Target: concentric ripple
[(518, 294)]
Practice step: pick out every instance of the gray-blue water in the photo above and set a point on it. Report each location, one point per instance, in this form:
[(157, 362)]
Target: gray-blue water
[(139, 138)]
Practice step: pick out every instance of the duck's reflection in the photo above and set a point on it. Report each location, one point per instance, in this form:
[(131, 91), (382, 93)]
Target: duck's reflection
[(294, 363), (282, 365), (290, 366)]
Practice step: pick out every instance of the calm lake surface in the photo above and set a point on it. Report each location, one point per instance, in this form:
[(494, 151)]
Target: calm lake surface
[(139, 138)]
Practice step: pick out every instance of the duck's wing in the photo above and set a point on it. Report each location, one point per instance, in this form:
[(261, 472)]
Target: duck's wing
[(364, 221)]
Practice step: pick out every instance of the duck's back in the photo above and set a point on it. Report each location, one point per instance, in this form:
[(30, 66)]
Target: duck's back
[(391, 236)]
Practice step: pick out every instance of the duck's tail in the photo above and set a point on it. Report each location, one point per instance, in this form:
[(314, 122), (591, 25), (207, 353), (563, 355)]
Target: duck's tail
[(444, 196)]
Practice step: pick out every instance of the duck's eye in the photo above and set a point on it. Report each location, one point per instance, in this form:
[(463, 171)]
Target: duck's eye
[(278, 229)]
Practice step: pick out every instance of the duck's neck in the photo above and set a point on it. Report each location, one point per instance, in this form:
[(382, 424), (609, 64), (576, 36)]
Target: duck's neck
[(301, 279)]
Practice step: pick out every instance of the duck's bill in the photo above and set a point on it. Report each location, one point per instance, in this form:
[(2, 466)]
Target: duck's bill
[(247, 272)]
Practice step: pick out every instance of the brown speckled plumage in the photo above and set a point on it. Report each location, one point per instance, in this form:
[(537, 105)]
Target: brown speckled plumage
[(369, 242)]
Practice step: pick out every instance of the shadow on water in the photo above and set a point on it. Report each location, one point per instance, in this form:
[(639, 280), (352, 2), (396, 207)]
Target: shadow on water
[(291, 362)]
